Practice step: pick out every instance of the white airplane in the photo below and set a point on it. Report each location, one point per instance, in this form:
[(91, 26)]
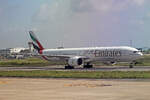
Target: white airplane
[(86, 56)]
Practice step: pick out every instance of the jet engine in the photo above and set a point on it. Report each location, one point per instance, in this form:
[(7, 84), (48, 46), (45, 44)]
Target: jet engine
[(75, 61)]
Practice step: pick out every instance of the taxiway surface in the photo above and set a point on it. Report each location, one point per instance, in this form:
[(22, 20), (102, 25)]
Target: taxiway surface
[(73, 89), (61, 68)]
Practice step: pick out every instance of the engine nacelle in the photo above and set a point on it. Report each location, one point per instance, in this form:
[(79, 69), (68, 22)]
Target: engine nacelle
[(75, 61)]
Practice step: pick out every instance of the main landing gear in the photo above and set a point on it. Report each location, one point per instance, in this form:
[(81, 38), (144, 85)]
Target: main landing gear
[(69, 67), (88, 65), (131, 66)]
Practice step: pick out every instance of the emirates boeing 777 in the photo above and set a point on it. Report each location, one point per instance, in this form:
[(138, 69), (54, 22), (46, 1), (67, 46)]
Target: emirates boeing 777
[(86, 56)]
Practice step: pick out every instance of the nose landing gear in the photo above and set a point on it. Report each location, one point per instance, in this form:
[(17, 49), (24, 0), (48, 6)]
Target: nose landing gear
[(88, 65), (132, 64)]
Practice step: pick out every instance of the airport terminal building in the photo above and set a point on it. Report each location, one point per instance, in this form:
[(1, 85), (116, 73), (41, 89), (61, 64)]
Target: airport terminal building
[(14, 53)]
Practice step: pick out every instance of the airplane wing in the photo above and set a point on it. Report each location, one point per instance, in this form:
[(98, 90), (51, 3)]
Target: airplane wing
[(63, 57)]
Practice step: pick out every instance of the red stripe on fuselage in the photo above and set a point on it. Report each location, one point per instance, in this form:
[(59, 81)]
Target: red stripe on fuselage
[(41, 52), (44, 57)]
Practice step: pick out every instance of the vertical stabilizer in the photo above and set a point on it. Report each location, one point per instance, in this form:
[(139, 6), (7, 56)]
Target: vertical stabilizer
[(36, 44)]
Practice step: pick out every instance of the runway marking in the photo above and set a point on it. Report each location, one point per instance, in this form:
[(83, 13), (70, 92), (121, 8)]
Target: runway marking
[(3, 82), (88, 85)]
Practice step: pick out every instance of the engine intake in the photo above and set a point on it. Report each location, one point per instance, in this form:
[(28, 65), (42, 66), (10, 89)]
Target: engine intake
[(75, 61)]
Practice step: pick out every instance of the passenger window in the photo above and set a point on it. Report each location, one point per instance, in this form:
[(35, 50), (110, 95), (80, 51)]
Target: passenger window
[(135, 51)]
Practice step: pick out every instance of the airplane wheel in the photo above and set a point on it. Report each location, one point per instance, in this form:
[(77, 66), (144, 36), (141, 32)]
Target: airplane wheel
[(69, 67), (88, 66), (131, 66)]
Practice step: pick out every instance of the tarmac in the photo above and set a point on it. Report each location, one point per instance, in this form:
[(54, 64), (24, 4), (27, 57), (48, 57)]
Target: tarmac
[(73, 89), (61, 68)]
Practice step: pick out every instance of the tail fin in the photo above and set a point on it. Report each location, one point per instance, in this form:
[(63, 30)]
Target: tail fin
[(36, 44)]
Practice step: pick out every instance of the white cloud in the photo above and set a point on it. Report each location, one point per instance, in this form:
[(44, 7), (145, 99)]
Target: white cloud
[(114, 5), (55, 10), (71, 20), (141, 22), (148, 15), (1, 11), (65, 8), (43, 13), (139, 2)]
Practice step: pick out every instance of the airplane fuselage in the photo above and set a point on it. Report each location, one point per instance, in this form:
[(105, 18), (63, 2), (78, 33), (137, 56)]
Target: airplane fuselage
[(102, 54)]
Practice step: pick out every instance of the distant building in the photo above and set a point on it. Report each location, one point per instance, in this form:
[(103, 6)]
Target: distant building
[(5, 51), (16, 50), (15, 53), (30, 44)]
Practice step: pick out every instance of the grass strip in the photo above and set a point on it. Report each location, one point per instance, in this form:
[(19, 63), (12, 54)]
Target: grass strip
[(28, 62), (78, 74)]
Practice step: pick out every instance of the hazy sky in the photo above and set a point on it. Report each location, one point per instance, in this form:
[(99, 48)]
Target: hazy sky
[(75, 23)]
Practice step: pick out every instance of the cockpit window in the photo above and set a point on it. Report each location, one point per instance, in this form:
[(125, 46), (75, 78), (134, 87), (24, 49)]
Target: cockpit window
[(135, 51)]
